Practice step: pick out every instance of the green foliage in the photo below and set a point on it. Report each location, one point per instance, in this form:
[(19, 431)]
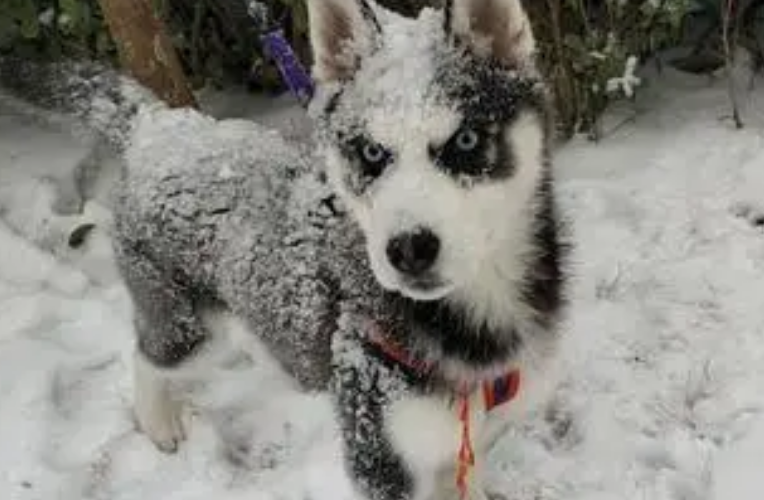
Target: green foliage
[(54, 28), (19, 21), (588, 50)]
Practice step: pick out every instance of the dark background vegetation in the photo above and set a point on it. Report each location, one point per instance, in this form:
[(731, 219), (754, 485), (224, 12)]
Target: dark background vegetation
[(585, 45)]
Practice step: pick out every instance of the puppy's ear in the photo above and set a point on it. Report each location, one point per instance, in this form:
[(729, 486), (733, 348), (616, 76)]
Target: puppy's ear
[(341, 32), (498, 29)]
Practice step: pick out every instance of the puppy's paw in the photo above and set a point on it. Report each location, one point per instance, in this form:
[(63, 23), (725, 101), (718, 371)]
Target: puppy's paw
[(161, 420), (157, 413)]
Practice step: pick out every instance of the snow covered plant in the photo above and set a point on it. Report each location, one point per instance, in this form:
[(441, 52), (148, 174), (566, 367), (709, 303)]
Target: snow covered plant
[(591, 50)]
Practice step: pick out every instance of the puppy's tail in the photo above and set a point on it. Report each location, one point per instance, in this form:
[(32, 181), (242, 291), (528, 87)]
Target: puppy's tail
[(95, 96)]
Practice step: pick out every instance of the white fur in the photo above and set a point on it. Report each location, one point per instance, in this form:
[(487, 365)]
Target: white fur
[(425, 432)]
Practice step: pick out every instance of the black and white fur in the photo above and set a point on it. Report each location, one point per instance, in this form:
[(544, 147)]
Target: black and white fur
[(436, 139), (437, 136)]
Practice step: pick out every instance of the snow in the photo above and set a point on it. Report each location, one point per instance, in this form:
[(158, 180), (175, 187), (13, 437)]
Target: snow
[(663, 353), (628, 81)]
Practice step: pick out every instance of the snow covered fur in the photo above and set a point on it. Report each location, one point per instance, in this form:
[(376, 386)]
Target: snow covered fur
[(445, 274)]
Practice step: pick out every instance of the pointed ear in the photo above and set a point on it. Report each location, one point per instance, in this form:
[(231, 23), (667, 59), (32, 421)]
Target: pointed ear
[(341, 31), (499, 29)]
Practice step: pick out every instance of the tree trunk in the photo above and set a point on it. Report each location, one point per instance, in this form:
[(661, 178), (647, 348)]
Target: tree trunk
[(145, 50)]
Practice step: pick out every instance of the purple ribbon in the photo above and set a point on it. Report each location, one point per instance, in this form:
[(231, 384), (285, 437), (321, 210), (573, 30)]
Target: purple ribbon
[(292, 71)]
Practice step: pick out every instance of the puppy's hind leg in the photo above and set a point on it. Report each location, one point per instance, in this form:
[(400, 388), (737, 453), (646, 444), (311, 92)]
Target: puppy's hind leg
[(171, 337), (157, 412)]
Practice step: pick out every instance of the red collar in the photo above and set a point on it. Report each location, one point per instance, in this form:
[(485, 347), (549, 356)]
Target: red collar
[(496, 392)]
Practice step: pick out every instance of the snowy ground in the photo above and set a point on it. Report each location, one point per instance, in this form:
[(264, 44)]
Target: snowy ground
[(664, 354)]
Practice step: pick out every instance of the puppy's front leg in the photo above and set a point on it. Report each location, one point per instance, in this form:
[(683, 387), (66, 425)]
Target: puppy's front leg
[(424, 430), (398, 440), (363, 392)]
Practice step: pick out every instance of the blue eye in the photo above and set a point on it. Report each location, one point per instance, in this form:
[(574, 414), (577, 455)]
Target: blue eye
[(467, 140), (465, 152), (373, 156), (373, 153)]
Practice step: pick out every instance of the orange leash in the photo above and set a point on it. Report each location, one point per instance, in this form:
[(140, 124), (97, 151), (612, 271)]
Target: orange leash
[(495, 393), (466, 456)]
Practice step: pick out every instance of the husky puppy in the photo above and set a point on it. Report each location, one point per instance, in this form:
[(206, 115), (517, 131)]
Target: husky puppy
[(437, 137), (430, 310)]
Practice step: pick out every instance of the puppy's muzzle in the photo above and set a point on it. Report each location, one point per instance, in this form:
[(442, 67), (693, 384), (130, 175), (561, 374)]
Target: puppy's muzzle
[(413, 253)]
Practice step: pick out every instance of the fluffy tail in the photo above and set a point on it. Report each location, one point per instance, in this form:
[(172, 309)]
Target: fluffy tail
[(97, 97)]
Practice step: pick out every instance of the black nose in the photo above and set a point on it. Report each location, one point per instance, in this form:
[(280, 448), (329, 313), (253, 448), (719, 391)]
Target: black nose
[(415, 252)]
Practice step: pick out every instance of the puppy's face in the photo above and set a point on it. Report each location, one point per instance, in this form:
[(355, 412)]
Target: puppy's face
[(436, 145)]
